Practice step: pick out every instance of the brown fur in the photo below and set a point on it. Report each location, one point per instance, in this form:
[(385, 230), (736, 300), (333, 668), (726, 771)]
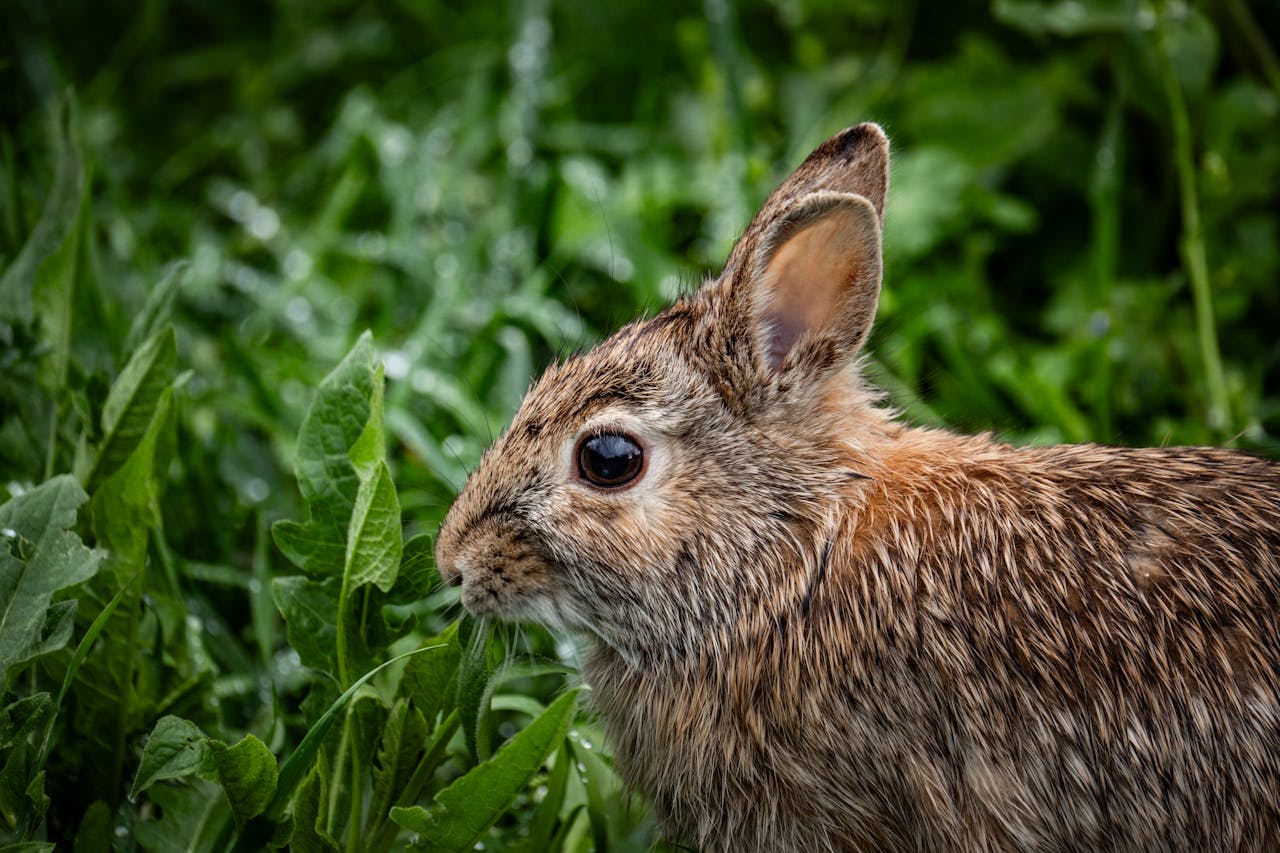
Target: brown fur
[(819, 629)]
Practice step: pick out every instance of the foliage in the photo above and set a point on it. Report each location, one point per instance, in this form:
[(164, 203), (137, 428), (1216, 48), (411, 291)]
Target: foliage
[(208, 551)]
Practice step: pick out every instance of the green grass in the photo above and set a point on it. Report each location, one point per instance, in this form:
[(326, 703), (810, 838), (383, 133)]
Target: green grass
[(203, 206)]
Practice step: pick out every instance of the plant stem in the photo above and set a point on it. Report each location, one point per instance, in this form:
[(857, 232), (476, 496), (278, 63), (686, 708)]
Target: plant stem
[(52, 448), (335, 781), (344, 605), (1193, 249), (354, 824), (1104, 198), (262, 608), (719, 15), (62, 341)]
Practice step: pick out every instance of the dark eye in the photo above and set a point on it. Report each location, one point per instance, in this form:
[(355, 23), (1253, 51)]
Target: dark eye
[(610, 460)]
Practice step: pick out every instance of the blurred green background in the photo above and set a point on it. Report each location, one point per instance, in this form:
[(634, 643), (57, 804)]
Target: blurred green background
[(1083, 229)]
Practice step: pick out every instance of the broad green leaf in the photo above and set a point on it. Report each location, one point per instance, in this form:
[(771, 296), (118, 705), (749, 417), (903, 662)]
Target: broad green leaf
[(158, 308), (309, 810), (21, 718), (1192, 47), (512, 670), (367, 717), (403, 741), (428, 678), (334, 423), (126, 504), (417, 575), (371, 447), (37, 800), (248, 775), (308, 545), (475, 671), (353, 511), (175, 749), (39, 556), (29, 847), (130, 408), (22, 799), (15, 779), (57, 219), (310, 611), (374, 540), (336, 420), (543, 827), (464, 810), (190, 818), (54, 294), (58, 628), (415, 580), (125, 509), (97, 830)]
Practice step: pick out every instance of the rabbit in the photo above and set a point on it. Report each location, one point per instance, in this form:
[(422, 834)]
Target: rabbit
[(815, 627)]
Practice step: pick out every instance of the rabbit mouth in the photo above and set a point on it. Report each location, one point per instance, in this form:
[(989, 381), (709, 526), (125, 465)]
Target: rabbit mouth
[(487, 592), (481, 599), (486, 597)]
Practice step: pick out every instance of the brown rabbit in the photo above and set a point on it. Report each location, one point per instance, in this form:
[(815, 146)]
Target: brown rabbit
[(817, 628)]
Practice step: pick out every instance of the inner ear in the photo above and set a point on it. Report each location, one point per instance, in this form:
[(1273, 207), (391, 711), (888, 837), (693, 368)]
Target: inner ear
[(818, 275)]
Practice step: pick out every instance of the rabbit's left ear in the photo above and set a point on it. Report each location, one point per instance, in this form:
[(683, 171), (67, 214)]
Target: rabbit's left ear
[(811, 288), (855, 160), (797, 297)]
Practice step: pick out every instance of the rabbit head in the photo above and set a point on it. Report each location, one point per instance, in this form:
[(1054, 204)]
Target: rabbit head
[(675, 483)]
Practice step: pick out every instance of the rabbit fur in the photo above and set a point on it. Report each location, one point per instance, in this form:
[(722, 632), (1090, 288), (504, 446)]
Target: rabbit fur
[(817, 628)]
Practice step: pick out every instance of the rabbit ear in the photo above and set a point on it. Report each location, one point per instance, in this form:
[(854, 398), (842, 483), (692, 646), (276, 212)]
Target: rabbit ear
[(855, 160), (808, 294)]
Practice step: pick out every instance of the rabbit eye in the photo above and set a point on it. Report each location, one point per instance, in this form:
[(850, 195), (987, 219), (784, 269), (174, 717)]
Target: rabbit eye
[(610, 460)]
